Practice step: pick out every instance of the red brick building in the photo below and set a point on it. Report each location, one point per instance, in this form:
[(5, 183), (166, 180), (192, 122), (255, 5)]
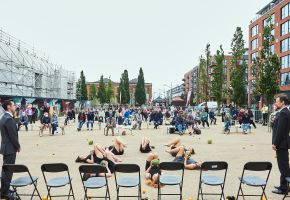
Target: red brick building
[(279, 10)]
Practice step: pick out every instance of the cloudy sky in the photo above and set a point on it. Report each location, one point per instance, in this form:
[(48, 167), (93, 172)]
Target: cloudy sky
[(164, 37)]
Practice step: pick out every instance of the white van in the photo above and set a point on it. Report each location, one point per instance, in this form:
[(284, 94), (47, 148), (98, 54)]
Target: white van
[(210, 105)]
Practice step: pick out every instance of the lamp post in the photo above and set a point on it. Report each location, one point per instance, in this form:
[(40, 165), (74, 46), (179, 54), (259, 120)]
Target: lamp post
[(170, 91)]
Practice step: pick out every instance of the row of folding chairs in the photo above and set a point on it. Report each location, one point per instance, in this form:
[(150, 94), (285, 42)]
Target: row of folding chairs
[(131, 178)]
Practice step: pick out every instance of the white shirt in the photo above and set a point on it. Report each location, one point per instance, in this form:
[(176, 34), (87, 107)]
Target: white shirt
[(9, 114)]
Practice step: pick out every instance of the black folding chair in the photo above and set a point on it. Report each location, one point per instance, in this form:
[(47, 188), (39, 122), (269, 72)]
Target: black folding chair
[(255, 181), (94, 182), (21, 181), (212, 180), (57, 182), (288, 181), (128, 181), (171, 179)]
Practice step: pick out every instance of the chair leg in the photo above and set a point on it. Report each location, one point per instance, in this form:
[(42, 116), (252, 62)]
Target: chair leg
[(15, 190), (72, 192), (242, 193), (180, 188), (140, 193), (264, 188), (222, 195), (86, 196), (201, 193), (198, 191)]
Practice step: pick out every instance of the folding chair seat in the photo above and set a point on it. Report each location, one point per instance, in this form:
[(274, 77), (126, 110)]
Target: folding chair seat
[(172, 180), (94, 182), (59, 181), (22, 181), (212, 180), (128, 181), (255, 181)]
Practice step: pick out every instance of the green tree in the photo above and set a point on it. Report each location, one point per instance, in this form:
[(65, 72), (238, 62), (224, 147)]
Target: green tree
[(140, 93), (202, 80), (123, 89), (93, 92), (81, 89), (218, 76), (238, 67), (102, 91), (208, 63), (268, 67), (109, 92)]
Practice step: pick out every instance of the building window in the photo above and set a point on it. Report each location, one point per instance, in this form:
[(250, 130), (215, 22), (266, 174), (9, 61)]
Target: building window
[(285, 28), (254, 44), (285, 45), (253, 57), (285, 11), (285, 62), (272, 49), (255, 30), (266, 23), (285, 79)]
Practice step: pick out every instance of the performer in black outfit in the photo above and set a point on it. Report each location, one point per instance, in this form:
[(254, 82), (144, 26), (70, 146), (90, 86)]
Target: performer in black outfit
[(280, 142)]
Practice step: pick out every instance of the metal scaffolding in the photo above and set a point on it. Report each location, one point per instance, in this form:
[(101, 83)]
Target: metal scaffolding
[(23, 73)]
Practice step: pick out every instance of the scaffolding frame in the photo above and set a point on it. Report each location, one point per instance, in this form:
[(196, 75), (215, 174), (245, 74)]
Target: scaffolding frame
[(23, 73)]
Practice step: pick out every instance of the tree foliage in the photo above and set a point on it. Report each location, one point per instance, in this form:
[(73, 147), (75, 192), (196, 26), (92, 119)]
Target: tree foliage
[(102, 96), (267, 67), (140, 93), (218, 76), (93, 92), (238, 67)]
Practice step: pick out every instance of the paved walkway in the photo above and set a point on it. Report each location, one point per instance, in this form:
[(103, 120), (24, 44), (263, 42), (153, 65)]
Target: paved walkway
[(235, 148)]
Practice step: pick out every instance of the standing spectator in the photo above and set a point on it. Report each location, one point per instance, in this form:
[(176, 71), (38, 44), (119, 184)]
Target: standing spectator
[(23, 121), (29, 113), (9, 145), (82, 119), (264, 111), (250, 112), (34, 116), (204, 118), (90, 120), (280, 142), (54, 122), (73, 114), (212, 117)]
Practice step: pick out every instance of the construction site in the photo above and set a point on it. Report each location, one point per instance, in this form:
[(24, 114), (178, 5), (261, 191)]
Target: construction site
[(26, 75)]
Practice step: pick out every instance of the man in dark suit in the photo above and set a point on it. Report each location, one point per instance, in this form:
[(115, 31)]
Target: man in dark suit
[(9, 144), (280, 144)]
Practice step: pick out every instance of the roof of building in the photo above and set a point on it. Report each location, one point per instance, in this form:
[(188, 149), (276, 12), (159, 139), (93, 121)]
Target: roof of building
[(135, 80), (268, 7), (106, 80)]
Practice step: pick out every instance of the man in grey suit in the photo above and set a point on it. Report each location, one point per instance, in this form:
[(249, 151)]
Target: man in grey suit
[(9, 144)]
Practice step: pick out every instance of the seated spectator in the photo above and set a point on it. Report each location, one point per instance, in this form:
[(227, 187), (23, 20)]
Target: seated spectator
[(118, 146), (127, 117), (197, 117), (45, 123), (23, 121), (138, 120), (246, 123), (240, 116), (54, 122), (152, 170), (180, 124), (111, 124), (190, 122), (82, 119), (212, 117), (145, 145), (90, 119), (156, 119), (227, 122)]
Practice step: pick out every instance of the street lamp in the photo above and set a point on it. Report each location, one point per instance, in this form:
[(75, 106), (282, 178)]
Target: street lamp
[(170, 91)]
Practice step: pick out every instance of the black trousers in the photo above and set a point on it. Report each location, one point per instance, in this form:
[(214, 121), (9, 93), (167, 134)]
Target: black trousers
[(283, 165), (6, 177), (265, 118)]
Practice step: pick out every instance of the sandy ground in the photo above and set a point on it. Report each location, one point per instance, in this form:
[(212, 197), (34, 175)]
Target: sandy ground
[(235, 148)]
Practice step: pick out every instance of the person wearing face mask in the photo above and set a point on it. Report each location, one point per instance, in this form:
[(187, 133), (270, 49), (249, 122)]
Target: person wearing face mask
[(23, 121), (45, 123)]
